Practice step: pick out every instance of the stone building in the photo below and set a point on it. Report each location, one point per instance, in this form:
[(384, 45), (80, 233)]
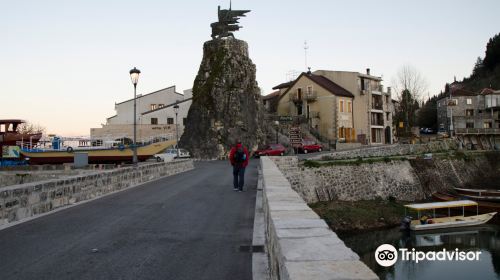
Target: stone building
[(473, 117), (469, 110), (155, 116), (358, 109)]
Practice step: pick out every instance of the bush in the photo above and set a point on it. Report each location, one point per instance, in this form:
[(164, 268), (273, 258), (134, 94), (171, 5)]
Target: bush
[(311, 164)]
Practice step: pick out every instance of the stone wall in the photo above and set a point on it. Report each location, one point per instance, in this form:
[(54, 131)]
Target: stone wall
[(392, 150), (18, 202), (405, 180), (300, 244), (8, 178), (352, 182)]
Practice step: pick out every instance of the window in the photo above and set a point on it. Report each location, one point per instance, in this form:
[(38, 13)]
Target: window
[(469, 101), (299, 94), (487, 125), (341, 106), (161, 105), (154, 120), (309, 89), (469, 125), (153, 107), (170, 120), (349, 109), (469, 112), (362, 83), (387, 116)]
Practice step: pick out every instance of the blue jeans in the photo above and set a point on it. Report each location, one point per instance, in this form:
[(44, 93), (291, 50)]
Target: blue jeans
[(238, 177)]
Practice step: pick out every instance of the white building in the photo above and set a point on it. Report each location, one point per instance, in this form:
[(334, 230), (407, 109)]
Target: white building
[(155, 116)]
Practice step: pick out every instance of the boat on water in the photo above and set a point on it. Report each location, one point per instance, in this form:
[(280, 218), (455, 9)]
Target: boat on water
[(480, 194), (426, 221), (99, 154), (484, 206)]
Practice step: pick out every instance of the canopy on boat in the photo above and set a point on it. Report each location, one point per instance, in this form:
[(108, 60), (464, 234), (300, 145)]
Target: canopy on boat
[(437, 205)]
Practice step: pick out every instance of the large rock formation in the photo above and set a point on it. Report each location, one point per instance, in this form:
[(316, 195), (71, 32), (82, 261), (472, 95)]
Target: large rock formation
[(226, 102)]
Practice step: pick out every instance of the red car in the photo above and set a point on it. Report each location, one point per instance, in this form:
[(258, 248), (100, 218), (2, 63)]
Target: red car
[(310, 146), (271, 150)]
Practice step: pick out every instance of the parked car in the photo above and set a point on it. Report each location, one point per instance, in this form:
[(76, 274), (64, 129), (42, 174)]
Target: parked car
[(427, 130), (310, 146), (170, 154), (271, 150)]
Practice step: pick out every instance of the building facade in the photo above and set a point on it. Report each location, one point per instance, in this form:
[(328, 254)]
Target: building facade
[(362, 112), (324, 105), (155, 116), (469, 110)]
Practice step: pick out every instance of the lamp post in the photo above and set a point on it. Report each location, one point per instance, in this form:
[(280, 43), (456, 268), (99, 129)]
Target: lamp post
[(277, 123), (134, 76), (176, 110)]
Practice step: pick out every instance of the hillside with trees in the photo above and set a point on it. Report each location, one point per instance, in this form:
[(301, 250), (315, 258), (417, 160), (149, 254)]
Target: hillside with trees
[(486, 72)]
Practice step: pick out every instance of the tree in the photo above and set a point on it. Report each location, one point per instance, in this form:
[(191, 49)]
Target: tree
[(409, 85), (30, 128), (492, 56), (427, 115), (478, 66), (410, 79)]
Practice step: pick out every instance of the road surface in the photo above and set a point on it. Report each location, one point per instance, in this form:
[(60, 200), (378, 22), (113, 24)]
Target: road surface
[(187, 226)]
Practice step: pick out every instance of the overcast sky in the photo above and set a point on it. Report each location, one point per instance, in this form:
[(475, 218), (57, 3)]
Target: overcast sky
[(63, 64)]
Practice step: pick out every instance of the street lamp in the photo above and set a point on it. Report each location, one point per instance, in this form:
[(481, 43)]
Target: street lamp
[(277, 123), (134, 76), (176, 110)]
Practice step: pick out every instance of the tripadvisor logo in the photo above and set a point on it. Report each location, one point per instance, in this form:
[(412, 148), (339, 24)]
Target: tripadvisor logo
[(387, 255)]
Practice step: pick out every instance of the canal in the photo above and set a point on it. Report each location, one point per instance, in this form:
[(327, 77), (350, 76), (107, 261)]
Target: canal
[(485, 239)]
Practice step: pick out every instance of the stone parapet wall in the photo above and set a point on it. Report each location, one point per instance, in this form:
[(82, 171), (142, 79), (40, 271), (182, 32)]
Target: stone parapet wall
[(18, 202), (392, 150), (300, 244)]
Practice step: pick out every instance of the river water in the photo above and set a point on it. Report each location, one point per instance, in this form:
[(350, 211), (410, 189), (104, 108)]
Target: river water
[(485, 239)]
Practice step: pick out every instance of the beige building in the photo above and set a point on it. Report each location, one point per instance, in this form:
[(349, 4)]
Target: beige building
[(155, 116), (345, 106), (326, 106)]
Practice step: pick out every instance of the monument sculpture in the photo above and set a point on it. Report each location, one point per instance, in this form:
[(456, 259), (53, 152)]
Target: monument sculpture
[(226, 98), (228, 22)]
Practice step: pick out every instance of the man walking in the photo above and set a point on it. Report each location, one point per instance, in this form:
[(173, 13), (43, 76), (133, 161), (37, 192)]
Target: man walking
[(239, 160)]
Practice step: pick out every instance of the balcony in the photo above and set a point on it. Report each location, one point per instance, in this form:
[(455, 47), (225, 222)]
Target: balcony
[(311, 96), (378, 106), (478, 131), (295, 97)]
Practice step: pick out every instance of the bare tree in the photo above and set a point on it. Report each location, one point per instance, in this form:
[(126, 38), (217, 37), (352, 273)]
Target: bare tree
[(30, 128), (410, 79), (410, 87)]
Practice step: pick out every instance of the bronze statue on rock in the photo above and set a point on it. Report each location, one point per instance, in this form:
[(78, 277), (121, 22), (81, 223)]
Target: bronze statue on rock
[(226, 98), (228, 22)]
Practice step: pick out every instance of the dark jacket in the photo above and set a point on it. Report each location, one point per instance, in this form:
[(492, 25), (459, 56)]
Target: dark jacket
[(233, 151)]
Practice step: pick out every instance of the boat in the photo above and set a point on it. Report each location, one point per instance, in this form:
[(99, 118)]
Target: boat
[(113, 154), (10, 137), (424, 223), (10, 134), (480, 194), (484, 206)]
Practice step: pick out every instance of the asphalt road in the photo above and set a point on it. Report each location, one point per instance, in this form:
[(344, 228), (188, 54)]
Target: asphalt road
[(187, 226)]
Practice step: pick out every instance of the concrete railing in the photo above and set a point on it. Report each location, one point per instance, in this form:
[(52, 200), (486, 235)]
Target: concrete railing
[(300, 244), (22, 201)]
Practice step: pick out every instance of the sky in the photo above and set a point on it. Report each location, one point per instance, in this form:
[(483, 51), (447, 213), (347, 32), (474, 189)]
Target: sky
[(64, 64)]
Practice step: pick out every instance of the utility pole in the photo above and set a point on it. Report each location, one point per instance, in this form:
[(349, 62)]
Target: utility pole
[(306, 47)]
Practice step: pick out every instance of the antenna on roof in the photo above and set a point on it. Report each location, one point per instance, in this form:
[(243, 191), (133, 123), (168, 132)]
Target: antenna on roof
[(230, 5), (306, 47)]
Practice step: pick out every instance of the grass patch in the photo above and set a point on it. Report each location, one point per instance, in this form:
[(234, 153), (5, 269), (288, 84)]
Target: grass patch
[(345, 216)]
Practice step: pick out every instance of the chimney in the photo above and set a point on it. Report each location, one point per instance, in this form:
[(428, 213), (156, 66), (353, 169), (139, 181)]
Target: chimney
[(389, 90), (367, 71)]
